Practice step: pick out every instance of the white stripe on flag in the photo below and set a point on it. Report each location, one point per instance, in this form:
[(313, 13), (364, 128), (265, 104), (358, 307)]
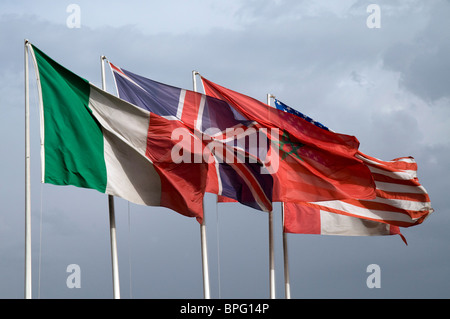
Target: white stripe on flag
[(403, 175), (201, 107), (335, 224), (130, 174), (403, 204), (380, 215), (181, 103), (398, 188)]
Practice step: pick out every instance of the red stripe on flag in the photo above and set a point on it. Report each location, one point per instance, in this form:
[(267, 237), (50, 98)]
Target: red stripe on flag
[(374, 205), (348, 213), (182, 185), (387, 179), (191, 107), (301, 221), (424, 198)]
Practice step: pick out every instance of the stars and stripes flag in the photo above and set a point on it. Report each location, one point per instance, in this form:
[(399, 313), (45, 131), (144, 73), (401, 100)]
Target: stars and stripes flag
[(401, 201)]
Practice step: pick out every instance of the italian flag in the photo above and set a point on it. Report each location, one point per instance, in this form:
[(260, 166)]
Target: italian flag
[(92, 139)]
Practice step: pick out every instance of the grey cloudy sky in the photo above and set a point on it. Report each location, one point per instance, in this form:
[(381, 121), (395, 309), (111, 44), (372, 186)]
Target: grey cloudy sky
[(388, 86)]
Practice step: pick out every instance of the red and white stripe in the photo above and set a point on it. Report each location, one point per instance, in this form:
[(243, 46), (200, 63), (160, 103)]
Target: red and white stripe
[(401, 201), (311, 220)]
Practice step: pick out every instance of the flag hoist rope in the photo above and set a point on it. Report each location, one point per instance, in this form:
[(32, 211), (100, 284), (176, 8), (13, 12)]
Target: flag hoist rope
[(204, 247), (112, 218)]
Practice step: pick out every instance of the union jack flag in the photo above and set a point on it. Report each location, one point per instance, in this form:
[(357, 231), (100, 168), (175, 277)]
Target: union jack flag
[(239, 180)]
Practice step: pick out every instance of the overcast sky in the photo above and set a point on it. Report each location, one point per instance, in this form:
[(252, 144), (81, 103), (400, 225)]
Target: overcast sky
[(387, 86)]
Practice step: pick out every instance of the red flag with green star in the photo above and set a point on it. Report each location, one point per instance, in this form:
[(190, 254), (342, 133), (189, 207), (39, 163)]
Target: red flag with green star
[(306, 162)]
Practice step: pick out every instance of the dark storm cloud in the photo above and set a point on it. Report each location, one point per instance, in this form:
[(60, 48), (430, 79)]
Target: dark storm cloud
[(422, 61)]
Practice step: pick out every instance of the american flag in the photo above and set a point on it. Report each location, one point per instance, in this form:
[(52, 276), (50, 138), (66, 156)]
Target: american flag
[(401, 201)]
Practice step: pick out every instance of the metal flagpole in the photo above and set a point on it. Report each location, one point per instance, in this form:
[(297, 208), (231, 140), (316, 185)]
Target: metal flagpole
[(287, 283), (287, 286), (194, 80), (271, 258), (271, 245), (112, 218), (205, 267), (27, 183)]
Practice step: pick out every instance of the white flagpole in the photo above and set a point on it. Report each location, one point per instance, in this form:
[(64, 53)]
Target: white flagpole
[(271, 258), (112, 218), (271, 244), (27, 183), (205, 267), (287, 283)]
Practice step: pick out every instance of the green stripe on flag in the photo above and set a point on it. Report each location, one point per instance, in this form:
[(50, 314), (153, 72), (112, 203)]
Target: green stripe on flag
[(73, 138)]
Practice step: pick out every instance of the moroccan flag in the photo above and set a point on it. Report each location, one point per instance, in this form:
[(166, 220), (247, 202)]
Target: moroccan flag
[(95, 140), (313, 164), (235, 172)]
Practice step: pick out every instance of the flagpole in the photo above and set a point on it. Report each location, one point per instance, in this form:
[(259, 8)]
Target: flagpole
[(271, 243), (287, 283), (204, 248), (112, 218), (27, 182), (271, 258), (194, 80)]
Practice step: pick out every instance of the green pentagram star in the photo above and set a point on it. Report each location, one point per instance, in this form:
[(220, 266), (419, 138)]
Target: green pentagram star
[(294, 147)]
